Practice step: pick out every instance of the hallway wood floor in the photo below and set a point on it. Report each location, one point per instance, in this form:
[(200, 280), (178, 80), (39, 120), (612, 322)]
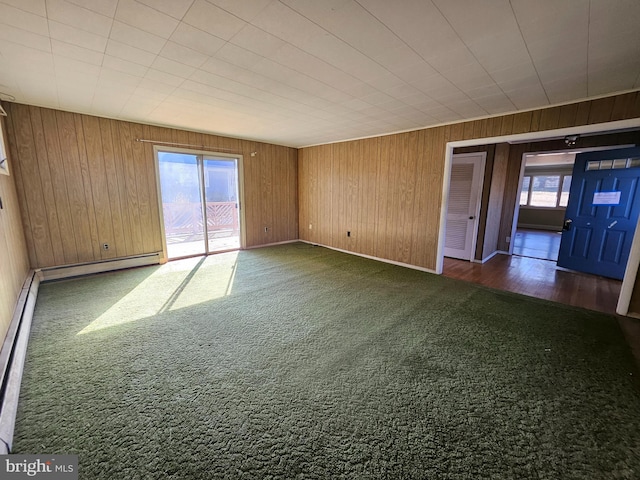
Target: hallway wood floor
[(543, 244), (539, 278)]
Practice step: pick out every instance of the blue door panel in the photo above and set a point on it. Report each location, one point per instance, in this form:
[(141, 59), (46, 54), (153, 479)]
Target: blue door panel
[(628, 188), (611, 246), (580, 243), (587, 190), (599, 236)]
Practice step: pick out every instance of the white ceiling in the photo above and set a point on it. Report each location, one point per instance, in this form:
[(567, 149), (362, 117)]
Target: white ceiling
[(303, 72)]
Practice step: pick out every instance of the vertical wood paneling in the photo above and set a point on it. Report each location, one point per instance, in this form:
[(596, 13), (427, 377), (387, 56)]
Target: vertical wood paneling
[(43, 165), (582, 114), (30, 187), (142, 170), (57, 171), (382, 198), (522, 122), (128, 175), (14, 260), (567, 117), (84, 181), (409, 172), (549, 118), (601, 110), (99, 187), (111, 170), (75, 186)]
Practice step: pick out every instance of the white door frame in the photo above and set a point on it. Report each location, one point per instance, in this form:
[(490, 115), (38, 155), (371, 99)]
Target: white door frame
[(238, 157), (481, 164), (634, 256)]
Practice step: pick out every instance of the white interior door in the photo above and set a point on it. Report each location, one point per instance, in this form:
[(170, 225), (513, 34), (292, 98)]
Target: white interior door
[(465, 191)]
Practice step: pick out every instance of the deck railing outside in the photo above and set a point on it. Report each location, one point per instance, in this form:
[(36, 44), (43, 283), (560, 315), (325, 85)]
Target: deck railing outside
[(184, 220)]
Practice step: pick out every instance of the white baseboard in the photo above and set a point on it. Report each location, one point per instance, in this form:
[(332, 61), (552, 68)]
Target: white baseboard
[(370, 257), (486, 259), (12, 357), (75, 270), (272, 244)]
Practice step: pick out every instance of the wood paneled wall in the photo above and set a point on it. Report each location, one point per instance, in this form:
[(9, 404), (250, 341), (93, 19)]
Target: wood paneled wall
[(83, 181), (14, 261), (388, 190)]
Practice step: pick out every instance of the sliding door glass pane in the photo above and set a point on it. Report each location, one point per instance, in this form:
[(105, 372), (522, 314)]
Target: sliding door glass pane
[(181, 204), (221, 193)]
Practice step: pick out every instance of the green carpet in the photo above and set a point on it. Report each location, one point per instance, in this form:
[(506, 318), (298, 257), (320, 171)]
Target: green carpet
[(301, 362)]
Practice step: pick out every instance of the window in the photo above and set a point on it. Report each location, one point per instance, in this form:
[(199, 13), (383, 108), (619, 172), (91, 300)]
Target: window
[(545, 190), (524, 194)]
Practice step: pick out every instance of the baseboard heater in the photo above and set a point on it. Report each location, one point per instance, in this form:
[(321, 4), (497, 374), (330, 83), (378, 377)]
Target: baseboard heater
[(12, 357), (14, 347), (79, 269)]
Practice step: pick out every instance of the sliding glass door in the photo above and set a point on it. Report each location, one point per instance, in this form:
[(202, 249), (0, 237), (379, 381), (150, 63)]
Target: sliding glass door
[(221, 200), (199, 203)]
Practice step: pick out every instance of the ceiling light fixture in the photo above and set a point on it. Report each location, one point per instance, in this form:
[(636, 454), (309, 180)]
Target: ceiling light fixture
[(570, 140)]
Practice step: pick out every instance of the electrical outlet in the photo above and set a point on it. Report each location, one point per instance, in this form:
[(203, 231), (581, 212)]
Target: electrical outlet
[(310, 226), (105, 246)]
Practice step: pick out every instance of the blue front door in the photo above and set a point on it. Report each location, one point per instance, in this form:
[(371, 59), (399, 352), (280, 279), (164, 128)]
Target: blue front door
[(602, 213)]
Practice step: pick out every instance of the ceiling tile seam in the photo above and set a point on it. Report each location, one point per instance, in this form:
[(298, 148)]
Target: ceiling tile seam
[(105, 54), (80, 7), (535, 68), (333, 87), (332, 66), (252, 98), (23, 10), (423, 59), (46, 12), (141, 29), (486, 117), (254, 87), (354, 48), (476, 59), (276, 79), (348, 73), (166, 40), (239, 18), (16, 88), (164, 13), (28, 46), (300, 71)]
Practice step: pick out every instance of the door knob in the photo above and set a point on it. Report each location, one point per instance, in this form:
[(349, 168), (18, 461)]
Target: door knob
[(567, 224)]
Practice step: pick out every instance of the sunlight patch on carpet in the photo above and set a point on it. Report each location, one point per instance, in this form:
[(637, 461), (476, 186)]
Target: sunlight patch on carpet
[(183, 284)]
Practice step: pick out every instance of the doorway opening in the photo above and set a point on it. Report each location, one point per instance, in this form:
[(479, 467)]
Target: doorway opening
[(543, 199), (200, 202), (504, 205)]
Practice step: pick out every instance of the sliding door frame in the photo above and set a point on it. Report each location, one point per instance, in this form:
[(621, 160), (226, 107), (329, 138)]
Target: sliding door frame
[(201, 153)]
